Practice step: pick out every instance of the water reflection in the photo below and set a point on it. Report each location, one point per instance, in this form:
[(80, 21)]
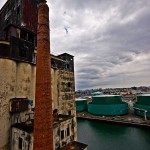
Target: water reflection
[(103, 136)]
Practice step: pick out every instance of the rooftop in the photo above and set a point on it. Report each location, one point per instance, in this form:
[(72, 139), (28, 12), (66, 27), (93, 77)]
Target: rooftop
[(29, 124), (74, 145), (25, 126)]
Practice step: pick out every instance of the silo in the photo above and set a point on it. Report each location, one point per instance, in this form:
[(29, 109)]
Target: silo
[(7, 91), (142, 106), (81, 105), (107, 105)]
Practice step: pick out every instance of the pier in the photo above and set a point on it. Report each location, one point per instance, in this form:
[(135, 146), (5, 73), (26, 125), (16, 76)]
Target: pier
[(128, 120)]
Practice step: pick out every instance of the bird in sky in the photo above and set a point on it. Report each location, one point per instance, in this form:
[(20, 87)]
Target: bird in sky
[(66, 29)]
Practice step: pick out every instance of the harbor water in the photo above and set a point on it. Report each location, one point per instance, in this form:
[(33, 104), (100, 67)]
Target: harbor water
[(104, 136)]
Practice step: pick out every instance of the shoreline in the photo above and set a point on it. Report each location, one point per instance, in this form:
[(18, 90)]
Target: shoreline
[(115, 120)]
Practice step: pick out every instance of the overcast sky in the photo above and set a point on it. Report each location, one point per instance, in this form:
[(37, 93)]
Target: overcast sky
[(109, 39)]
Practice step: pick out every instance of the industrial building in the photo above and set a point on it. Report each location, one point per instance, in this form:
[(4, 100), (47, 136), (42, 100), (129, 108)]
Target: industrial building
[(142, 105), (18, 45), (107, 105)]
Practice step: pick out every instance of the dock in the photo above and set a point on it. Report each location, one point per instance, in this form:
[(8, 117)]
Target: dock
[(127, 120)]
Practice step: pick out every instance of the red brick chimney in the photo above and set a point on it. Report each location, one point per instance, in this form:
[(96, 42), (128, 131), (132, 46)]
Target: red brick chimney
[(43, 119)]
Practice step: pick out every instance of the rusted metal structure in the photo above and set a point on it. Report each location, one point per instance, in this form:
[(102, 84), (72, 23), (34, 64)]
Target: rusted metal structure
[(43, 123)]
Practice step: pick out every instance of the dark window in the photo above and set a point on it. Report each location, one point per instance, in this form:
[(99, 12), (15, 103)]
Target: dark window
[(69, 84), (23, 35), (20, 143), (22, 52), (69, 112), (68, 131), (62, 134), (67, 66), (18, 10), (31, 38)]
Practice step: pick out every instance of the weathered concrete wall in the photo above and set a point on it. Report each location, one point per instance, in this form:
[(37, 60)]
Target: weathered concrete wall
[(55, 90), (7, 91), (66, 96), (27, 138), (63, 95), (63, 127), (25, 86), (16, 80)]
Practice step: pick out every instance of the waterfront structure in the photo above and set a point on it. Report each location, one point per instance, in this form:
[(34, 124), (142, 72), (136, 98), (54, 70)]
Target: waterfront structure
[(81, 105), (142, 105), (18, 78), (107, 105)]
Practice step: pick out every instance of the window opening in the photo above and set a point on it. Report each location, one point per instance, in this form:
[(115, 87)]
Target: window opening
[(69, 112), (62, 134), (67, 66), (18, 10), (20, 143), (23, 35), (22, 52), (31, 38), (68, 131), (69, 84)]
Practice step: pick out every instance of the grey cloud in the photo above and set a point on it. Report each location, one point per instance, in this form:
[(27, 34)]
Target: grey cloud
[(110, 40)]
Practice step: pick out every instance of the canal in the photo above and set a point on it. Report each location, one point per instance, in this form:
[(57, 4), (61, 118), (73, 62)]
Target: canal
[(104, 136)]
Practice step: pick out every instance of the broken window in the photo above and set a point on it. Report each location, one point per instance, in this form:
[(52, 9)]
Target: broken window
[(18, 10), (7, 15), (20, 143), (70, 112), (67, 66), (31, 38), (62, 135), (69, 84), (68, 131), (23, 35), (22, 52)]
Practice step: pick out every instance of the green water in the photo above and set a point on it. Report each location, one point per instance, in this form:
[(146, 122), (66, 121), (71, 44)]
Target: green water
[(103, 136)]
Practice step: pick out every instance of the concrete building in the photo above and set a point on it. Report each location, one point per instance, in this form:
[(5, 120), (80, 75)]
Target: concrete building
[(17, 79)]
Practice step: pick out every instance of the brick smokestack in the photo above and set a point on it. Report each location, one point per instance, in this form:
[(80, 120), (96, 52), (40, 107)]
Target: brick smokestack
[(43, 119)]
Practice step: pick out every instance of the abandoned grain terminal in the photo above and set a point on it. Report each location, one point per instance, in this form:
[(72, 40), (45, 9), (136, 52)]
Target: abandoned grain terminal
[(18, 50)]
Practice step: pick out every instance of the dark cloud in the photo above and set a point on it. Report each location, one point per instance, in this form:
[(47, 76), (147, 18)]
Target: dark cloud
[(110, 40)]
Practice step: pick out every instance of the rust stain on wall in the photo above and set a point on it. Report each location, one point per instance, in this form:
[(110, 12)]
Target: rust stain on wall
[(30, 15)]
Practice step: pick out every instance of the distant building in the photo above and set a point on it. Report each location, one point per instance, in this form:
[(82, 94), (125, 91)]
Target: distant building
[(18, 23)]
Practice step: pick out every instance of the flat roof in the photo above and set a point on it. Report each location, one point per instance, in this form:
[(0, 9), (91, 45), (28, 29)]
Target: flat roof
[(24, 127)]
